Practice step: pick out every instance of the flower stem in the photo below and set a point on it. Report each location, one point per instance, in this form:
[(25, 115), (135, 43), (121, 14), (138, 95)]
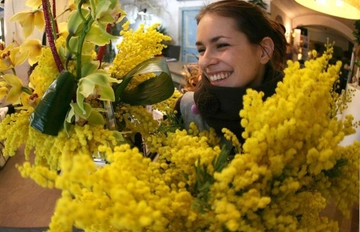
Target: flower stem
[(26, 90), (87, 27), (53, 19), (14, 71), (50, 35)]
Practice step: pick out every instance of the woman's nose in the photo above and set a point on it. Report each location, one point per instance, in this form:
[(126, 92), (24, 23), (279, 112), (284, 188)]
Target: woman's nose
[(207, 59)]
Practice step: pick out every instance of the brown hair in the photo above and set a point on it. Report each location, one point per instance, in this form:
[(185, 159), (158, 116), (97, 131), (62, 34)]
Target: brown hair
[(255, 24)]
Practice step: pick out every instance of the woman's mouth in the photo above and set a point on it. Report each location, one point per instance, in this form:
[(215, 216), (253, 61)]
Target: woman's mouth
[(218, 76)]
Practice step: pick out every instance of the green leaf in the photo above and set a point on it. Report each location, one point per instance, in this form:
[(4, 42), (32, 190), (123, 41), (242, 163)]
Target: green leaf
[(204, 179), (335, 171), (119, 137), (151, 91), (222, 161), (49, 115)]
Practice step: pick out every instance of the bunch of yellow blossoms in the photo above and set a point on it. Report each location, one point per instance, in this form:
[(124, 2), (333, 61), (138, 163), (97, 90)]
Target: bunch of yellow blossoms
[(289, 169), (16, 131)]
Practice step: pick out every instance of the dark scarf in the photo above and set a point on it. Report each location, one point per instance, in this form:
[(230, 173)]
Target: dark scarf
[(220, 106)]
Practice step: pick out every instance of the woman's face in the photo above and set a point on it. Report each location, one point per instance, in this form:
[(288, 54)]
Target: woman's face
[(225, 55)]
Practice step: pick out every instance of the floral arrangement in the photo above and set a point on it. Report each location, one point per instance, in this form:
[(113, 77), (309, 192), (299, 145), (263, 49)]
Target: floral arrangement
[(290, 167), (69, 85)]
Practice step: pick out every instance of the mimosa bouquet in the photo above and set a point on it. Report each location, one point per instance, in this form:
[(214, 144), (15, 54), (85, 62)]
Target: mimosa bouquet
[(290, 167), (70, 89)]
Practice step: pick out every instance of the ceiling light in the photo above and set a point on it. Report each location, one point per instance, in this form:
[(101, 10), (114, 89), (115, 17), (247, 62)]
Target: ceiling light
[(349, 9)]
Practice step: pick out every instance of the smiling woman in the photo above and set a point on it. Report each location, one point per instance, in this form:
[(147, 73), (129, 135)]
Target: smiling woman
[(232, 59), (275, 164)]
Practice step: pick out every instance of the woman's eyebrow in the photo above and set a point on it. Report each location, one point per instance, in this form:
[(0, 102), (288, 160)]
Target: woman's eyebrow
[(213, 40)]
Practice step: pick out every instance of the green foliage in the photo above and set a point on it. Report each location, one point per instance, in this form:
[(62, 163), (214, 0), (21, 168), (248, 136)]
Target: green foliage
[(151, 91), (50, 114), (204, 180), (161, 29), (335, 171)]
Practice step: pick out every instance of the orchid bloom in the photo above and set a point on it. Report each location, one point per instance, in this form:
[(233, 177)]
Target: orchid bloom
[(11, 57), (3, 89), (32, 48), (28, 101), (14, 88), (11, 87), (71, 5), (35, 4), (106, 13), (95, 82), (28, 20), (63, 31)]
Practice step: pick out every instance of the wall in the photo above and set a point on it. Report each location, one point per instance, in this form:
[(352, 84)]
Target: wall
[(321, 36), (342, 38), (275, 13), (167, 12), (2, 29)]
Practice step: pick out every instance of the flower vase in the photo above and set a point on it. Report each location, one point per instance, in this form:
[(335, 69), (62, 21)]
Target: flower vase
[(99, 158), (110, 115)]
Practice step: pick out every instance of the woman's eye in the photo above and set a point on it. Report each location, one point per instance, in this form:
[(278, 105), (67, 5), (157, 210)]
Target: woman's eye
[(222, 45), (201, 50)]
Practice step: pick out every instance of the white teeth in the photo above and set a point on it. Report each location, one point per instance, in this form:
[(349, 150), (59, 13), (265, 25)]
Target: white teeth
[(219, 76)]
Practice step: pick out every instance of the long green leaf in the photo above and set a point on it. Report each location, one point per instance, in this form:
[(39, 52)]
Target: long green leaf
[(49, 115), (150, 91)]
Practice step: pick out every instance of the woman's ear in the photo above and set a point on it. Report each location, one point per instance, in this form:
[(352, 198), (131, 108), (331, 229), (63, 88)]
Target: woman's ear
[(267, 46)]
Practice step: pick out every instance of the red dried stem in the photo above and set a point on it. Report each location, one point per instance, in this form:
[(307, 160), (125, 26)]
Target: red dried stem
[(50, 36)]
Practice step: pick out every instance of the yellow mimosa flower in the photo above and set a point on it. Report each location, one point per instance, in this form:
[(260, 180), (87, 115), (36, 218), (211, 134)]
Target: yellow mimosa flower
[(11, 57), (29, 19), (32, 48)]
